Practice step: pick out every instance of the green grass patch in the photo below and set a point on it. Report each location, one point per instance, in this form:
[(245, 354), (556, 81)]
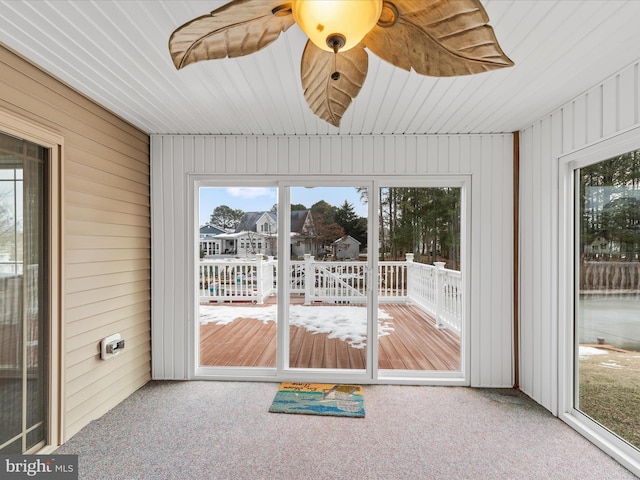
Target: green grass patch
[(610, 392)]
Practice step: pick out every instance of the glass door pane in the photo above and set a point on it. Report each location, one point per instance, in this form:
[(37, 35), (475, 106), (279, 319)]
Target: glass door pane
[(420, 293), (607, 298), (237, 269), (328, 314), (23, 301)]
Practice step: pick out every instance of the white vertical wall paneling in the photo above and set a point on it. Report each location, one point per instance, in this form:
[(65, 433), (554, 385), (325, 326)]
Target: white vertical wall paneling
[(547, 186), (410, 154), (636, 90), (488, 158), (387, 158), (336, 165), (230, 157), (486, 264), (474, 145), (170, 266), (505, 300), (293, 155), (299, 153), (537, 252), (594, 114), (580, 121), (283, 154), (314, 153), (604, 110), (626, 113), (175, 297), (464, 143), (432, 155), (183, 207), (499, 246), (400, 156), (157, 245), (218, 158), (163, 194), (454, 156), (556, 147), (378, 154), (486, 267), (567, 127), (356, 153), (610, 106), (241, 157), (421, 154), (198, 154), (346, 151), (443, 155), (525, 227)]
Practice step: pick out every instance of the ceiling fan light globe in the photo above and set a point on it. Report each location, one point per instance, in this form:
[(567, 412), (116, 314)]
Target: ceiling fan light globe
[(321, 19)]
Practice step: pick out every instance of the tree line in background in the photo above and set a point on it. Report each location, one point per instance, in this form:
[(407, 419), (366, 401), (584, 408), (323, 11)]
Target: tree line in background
[(418, 220), (610, 208), (423, 221)]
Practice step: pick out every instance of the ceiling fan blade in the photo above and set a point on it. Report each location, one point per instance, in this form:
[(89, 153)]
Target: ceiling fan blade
[(328, 96), (238, 28), (439, 38)]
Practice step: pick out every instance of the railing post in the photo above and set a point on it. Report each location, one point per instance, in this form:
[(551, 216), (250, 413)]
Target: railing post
[(273, 273), (259, 289), (439, 293), (409, 260), (309, 278)]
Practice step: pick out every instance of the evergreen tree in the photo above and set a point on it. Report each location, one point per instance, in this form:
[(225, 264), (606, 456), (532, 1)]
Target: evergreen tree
[(352, 224)]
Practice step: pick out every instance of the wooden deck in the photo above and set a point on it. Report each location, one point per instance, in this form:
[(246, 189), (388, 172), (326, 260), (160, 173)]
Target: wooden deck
[(414, 344)]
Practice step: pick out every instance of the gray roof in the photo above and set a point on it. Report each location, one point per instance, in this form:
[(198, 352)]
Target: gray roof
[(210, 230), (345, 238), (249, 220), (297, 220)]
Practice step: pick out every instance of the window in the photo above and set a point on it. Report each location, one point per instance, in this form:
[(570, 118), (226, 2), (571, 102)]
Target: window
[(599, 301), (607, 304), (384, 266), (24, 316)]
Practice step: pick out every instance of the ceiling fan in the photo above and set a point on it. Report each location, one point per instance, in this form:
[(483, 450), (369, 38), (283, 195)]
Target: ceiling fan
[(440, 38)]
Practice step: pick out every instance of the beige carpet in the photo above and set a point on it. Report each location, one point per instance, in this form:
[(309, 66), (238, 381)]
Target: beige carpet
[(223, 430)]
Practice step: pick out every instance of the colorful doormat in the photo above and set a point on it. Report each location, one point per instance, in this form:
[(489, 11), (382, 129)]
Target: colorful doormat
[(319, 399)]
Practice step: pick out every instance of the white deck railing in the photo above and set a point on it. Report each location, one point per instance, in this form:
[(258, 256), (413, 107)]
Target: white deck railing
[(252, 279), (438, 291), (435, 289)]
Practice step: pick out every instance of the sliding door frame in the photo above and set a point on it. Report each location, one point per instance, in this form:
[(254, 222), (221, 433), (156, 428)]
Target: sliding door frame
[(282, 372), (20, 127), (434, 377), (567, 272), (324, 375), (195, 370)]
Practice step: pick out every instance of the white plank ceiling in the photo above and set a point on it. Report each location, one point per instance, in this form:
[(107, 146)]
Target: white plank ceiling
[(115, 51)]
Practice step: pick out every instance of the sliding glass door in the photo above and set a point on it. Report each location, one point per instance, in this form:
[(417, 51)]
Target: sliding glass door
[(420, 280), (23, 298), (607, 294), (236, 276), (328, 314), (352, 280)]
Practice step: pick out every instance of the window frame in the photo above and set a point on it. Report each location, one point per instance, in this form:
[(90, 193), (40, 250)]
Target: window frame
[(283, 183), (20, 127), (568, 165)]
